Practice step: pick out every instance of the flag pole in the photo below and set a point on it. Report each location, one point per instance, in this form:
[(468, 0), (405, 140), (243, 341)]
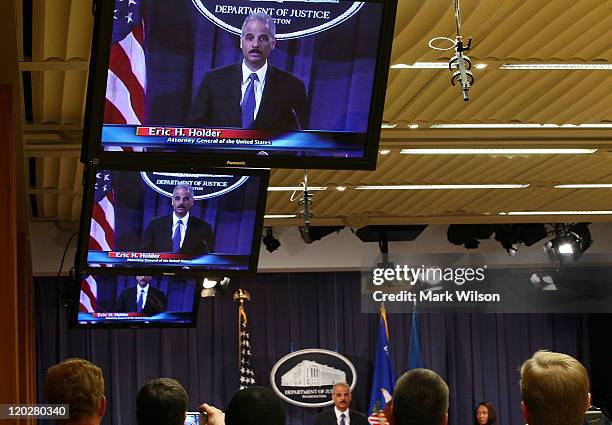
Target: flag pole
[(241, 295)]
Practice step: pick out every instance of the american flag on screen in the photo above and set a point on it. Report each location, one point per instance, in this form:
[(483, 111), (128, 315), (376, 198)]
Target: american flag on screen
[(247, 375), (89, 294), (102, 230), (127, 81)]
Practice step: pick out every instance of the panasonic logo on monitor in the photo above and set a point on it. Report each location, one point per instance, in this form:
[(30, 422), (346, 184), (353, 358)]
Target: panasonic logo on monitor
[(235, 162)]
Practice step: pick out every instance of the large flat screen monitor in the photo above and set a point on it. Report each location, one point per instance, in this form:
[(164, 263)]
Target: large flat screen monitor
[(173, 221), (136, 301), (289, 84)]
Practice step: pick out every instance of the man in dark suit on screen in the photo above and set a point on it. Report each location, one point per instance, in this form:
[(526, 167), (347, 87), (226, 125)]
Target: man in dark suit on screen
[(341, 414), (179, 232), (253, 93), (142, 298)]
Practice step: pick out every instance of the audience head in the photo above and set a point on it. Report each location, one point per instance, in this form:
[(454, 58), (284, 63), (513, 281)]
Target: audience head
[(79, 384), (485, 414), (255, 406), (162, 401), (554, 389), (420, 398), (341, 396)]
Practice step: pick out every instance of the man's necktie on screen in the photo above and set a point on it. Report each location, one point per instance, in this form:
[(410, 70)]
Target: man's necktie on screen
[(342, 421), (248, 103), (139, 301), (176, 238)]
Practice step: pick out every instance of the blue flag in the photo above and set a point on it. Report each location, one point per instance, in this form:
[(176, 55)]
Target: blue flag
[(415, 357), (384, 379)]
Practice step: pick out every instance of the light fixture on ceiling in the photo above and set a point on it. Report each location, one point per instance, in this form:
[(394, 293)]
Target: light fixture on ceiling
[(316, 233), (341, 188), (413, 126), (271, 243), (480, 66), (511, 236), (556, 66), (584, 186), (388, 125), (275, 216), (294, 188), (442, 186), (570, 242), (384, 151), (525, 125), (577, 212), (500, 151), (421, 65)]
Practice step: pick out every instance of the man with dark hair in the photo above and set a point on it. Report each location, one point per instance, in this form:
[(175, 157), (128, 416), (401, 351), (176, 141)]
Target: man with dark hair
[(162, 401), (142, 298), (179, 232), (79, 384), (554, 389), (252, 93), (420, 398), (341, 414), (255, 406)]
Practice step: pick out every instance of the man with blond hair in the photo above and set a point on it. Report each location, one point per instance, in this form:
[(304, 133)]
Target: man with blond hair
[(554, 389), (79, 384)]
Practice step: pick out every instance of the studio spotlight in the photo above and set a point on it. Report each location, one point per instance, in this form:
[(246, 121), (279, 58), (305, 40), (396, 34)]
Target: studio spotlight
[(271, 243), (570, 241), (211, 286), (469, 235), (511, 235), (316, 233)]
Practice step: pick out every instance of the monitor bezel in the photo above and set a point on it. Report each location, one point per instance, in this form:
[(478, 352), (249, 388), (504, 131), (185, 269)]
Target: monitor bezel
[(81, 265), (112, 324), (96, 92)]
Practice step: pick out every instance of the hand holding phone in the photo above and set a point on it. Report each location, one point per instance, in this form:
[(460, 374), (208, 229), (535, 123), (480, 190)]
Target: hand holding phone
[(195, 418)]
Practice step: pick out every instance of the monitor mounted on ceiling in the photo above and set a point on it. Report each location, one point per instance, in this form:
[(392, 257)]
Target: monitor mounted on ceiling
[(153, 220), (289, 84)]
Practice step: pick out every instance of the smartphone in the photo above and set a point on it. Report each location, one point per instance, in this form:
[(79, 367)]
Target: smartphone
[(195, 418)]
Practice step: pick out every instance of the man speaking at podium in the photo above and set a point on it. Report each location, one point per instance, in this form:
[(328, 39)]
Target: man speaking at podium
[(341, 415), (142, 298), (179, 232), (253, 93)]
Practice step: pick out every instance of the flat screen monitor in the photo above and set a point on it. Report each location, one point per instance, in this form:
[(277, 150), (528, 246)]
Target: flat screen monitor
[(136, 301), (172, 221), (287, 84)]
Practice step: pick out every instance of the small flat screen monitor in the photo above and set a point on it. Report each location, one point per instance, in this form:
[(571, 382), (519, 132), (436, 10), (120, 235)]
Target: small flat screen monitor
[(288, 84), (172, 221), (136, 301)]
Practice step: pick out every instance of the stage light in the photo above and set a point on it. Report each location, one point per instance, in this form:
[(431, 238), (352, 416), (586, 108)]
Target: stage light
[(512, 235), (210, 287), (271, 243), (468, 235), (315, 233), (570, 242)]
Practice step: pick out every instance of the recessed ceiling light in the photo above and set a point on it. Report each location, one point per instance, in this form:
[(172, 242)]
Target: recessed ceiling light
[(341, 188), (556, 66), (279, 216), (508, 151), (480, 66), (556, 213), (294, 188), (388, 125), (421, 65), (384, 151), (413, 126), (442, 186), (585, 186)]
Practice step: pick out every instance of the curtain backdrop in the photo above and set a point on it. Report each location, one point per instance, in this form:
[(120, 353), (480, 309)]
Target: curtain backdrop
[(478, 355)]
